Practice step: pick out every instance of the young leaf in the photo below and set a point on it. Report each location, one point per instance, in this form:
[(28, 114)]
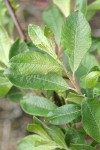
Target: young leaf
[(81, 5), (51, 81), (74, 137), (36, 142), (82, 147), (75, 98), (64, 6), (63, 114), (18, 47), (91, 79), (54, 22), (76, 38), (91, 118), (4, 46), (30, 63), (40, 40), (37, 106)]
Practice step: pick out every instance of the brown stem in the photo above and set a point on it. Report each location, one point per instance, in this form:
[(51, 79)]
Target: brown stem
[(14, 18)]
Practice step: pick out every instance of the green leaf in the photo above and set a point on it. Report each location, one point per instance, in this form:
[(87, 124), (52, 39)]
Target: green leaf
[(92, 78), (54, 22), (15, 94), (5, 86), (63, 114), (82, 147), (90, 14), (94, 6), (18, 47), (51, 81), (40, 40), (36, 105), (54, 132), (76, 38), (95, 44), (64, 6), (37, 129), (91, 118), (2, 66), (81, 5), (30, 63), (74, 137), (4, 46), (35, 142), (88, 62), (75, 98)]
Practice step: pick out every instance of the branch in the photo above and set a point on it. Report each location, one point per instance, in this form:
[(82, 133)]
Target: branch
[(14, 18)]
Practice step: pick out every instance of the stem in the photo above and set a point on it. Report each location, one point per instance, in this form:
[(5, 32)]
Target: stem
[(14, 18)]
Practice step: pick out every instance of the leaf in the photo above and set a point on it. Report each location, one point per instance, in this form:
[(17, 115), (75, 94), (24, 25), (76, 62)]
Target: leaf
[(88, 62), (95, 44), (81, 5), (91, 118), (54, 133), (4, 46), (94, 6), (36, 105), (51, 81), (75, 98), (2, 66), (5, 86), (76, 38), (64, 6), (63, 114), (74, 137), (37, 129), (30, 63), (82, 147), (40, 40), (36, 142), (92, 78), (18, 47), (15, 94), (54, 22)]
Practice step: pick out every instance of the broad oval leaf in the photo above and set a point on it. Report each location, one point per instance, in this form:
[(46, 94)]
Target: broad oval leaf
[(76, 38), (64, 114), (91, 79), (30, 63), (36, 105), (91, 118), (50, 81), (36, 142), (40, 40), (82, 147), (55, 21)]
